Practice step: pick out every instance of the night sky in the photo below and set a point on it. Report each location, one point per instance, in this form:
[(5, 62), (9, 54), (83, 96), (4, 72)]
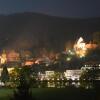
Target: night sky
[(63, 8)]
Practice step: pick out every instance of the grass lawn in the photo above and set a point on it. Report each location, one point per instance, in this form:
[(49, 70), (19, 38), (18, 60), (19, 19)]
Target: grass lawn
[(5, 93), (68, 93)]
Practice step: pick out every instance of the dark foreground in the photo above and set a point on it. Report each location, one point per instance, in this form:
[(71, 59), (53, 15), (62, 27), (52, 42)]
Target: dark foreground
[(69, 93)]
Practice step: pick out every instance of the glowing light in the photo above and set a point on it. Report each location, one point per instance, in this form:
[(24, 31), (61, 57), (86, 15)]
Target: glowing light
[(52, 79), (41, 79), (28, 63), (58, 79), (3, 58), (73, 78), (80, 48), (10, 69), (68, 59), (70, 52), (2, 84), (62, 79), (48, 79)]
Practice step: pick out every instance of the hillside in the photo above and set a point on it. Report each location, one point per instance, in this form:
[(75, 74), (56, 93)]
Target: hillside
[(33, 30)]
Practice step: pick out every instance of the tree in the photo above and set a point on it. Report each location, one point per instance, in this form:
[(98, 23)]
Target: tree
[(14, 77), (4, 75), (24, 88), (96, 37)]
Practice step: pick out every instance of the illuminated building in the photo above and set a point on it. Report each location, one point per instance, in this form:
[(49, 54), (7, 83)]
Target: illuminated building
[(3, 58), (91, 65), (9, 56), (80, 47), (72, 74), (13, 56), (49, 73)]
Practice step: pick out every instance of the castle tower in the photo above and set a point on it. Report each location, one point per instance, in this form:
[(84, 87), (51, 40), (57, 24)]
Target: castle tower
[(3, 57)]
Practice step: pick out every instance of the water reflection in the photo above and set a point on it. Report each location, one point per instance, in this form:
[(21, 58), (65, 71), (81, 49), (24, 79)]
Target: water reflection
[(51, 84), (62, 84)]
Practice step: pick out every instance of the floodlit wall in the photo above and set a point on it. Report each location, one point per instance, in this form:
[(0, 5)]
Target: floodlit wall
[(72, 74)]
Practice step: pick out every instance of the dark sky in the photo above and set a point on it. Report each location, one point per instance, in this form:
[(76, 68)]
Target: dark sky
[(64, 8)]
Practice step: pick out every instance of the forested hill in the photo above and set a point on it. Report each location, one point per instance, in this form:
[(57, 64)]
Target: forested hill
[(33, 30)]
